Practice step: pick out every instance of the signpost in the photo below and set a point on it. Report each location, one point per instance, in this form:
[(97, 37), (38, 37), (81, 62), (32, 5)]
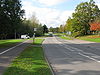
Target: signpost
[(35, 29)]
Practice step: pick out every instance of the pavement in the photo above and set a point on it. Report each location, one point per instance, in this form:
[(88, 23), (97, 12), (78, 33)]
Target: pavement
[(72, 57), (7, 55)]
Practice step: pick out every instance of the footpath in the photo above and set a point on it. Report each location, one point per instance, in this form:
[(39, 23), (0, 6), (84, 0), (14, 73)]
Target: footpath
[(9, 54)]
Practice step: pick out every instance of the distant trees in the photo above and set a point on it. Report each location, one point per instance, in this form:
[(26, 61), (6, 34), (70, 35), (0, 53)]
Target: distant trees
[(61, 28), (54, 30), (51, 29), (28, 26), (85, 13)]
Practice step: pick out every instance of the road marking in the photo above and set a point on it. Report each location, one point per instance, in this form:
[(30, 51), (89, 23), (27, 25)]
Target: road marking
[(76, 49), (12, 48), (83, 54), (79, 50), (89, 57), (69, 48)]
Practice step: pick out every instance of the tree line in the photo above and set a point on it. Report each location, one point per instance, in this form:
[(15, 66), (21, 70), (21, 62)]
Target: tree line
[(84, 21), (12, 21)]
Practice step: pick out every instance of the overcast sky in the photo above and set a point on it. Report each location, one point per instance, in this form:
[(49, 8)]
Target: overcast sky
[(51, 12)]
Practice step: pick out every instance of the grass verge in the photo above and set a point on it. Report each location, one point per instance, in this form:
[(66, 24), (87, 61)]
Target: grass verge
[(30, 62), (66, 38), (92, 38), (62, 35), (9, 43), (38, 41)]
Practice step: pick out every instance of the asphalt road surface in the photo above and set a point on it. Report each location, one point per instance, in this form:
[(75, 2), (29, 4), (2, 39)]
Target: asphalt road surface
[(7, 55), (68, 58)]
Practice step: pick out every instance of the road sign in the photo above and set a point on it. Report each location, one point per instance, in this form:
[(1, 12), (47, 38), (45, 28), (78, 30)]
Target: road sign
[(35, 29)]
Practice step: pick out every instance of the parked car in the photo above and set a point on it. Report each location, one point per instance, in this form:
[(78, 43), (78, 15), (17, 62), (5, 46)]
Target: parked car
[(25, 37)]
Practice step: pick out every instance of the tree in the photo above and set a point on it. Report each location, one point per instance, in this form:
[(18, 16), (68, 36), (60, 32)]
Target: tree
[(68, 26), (39, 31), (84, 13), (45, 29), (11, 16), (51, 29), (35, 24), (61, 28), (28, 27), (56, 30), (95, 26)]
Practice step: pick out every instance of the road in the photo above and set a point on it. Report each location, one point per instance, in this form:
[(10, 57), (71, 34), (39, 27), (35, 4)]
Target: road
[(68, 58), (7, 55)]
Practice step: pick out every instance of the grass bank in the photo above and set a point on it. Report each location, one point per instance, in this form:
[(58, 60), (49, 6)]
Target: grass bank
[(30, 62), (65, 37), (62, 35), (38, 41), (9, 43), (92, 38)]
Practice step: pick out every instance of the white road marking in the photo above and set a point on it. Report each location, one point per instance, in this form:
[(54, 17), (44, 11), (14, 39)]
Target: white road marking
[(12, 48), (76, 49), (89, 57)]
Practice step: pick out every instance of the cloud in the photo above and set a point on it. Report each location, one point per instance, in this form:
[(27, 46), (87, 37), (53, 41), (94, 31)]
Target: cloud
[(98, 3), (49, 16), (50, 2)]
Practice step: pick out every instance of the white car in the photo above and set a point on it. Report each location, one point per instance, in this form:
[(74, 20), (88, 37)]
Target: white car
[(25, 37)]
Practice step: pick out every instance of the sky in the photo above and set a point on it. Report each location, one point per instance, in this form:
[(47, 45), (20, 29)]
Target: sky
[(53, 13)]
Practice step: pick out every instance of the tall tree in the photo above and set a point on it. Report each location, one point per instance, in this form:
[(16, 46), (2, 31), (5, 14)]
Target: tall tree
[(10, 17), (85, 13)]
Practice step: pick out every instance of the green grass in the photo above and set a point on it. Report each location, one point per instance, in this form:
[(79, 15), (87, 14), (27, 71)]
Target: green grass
[(59, 34), (8, 43), (38, 41), (30, 62), (92, 38), (66, 38)]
